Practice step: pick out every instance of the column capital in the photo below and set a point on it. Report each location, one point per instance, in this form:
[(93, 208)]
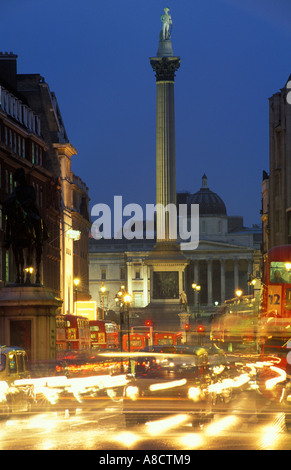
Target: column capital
[(165, 67)]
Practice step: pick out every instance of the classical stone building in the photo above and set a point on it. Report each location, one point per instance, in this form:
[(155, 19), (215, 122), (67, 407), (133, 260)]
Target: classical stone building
[(227, 258), (228, 255)]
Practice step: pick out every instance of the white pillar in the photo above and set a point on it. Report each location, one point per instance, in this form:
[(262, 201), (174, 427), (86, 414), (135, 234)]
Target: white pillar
[(236, 275), (209, 282), (222, 280)]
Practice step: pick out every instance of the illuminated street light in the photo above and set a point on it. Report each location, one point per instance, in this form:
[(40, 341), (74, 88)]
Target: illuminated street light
[(102, 296), (76, 283), (127, 299), (238, 293), (123, 298), (197, 288), (29, 270)]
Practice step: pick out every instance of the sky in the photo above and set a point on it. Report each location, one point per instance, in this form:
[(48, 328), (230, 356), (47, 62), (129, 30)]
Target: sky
[(94, 55)]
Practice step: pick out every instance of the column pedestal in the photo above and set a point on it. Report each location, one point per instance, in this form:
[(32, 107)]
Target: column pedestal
[(28, 319)]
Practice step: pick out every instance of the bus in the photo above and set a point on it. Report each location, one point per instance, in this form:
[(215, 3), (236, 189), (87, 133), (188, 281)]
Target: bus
[(76, 331), (61, 342), (275, 327), (139, 340), (165, 339), (236, 324), (104, 334)]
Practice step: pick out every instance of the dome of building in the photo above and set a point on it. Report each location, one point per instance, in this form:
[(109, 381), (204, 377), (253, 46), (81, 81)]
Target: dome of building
[(209, 202)]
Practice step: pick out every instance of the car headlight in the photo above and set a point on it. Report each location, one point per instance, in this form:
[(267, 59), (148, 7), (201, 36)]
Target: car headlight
[(194, 393), (132, 392)]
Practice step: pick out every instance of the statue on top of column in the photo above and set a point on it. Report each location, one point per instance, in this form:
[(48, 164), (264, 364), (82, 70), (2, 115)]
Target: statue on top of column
[(167, 25)]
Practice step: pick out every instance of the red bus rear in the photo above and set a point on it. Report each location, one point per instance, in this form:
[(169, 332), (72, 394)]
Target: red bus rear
[(77, 332), (104, 334), (165, 339), (137, 341)]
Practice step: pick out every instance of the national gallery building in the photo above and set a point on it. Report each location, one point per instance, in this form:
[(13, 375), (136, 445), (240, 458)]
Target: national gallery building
[(227, 258)]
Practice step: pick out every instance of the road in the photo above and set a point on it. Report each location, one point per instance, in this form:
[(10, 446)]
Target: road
[(105, 431)]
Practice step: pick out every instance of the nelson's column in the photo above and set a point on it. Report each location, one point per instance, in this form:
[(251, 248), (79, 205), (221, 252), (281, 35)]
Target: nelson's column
[(166, 261)]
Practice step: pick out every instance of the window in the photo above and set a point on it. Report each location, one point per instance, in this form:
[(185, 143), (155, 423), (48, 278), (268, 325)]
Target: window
[(19, 145), (137, 272), (10, 182), (7, 266), (12, 364), (23, 148), (122, 273), (10, 138), (6, 181), (103, 274), (32, 152), (280, 272)]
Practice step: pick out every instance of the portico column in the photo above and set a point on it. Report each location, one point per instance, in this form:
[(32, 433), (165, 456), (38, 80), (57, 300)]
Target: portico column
[(145, 285), (236, 275), (129, 277), (209, 281), (196, 279), (222, 280)]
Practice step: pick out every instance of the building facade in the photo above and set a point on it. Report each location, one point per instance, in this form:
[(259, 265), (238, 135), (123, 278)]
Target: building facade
[(22, 145), (48, 152), (276, 187), (227, 258)]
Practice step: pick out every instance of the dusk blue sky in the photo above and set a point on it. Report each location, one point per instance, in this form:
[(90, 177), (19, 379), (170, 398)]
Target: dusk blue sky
[(95, 56)]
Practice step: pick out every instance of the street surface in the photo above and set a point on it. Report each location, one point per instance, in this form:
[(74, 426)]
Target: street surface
[(105, 430)]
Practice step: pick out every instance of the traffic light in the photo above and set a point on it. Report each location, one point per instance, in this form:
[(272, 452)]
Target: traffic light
[(186, 327), (149, 323), (200, 329)]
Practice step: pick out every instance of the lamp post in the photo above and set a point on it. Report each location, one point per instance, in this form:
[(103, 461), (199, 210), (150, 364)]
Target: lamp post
[(197, 288), (127, 299), (119, 302), (76, 283), (123, 298), (238, 293), (102, 295)]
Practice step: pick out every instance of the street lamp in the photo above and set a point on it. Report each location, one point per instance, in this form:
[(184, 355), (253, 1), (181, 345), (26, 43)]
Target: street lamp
[(127, 299), (238, 293), (76, 283), (102, 295), (123, 298), (197, 288), (119, 302)]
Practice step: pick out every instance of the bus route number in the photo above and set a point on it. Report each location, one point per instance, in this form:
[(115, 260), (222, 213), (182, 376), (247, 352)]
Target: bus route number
[(274, 299)]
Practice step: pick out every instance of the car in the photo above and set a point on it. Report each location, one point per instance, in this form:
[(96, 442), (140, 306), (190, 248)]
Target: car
[(162, 384), (13, 367)]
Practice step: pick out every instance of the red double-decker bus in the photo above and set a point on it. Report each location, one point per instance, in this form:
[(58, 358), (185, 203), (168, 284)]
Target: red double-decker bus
[(72, 333), (275, 329), (139, 340), (165, 339), (104, 334)]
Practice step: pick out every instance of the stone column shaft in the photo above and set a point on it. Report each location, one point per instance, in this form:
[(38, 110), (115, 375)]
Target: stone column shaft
[(165, 68)]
